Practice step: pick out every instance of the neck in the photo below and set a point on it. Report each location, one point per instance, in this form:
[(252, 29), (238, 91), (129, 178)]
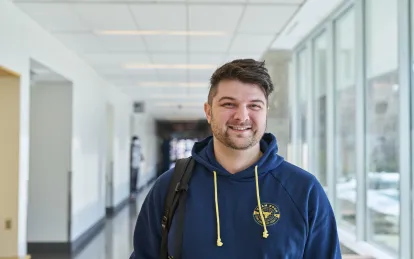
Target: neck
[(236, 160)]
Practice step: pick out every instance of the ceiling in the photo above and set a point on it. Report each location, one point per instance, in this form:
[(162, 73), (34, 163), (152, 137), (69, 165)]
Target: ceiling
[(163, 52)]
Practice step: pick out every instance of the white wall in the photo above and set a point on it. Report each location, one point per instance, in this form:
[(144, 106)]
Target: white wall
[(22, 39), (50, 162), (121, 174), (144, 128)]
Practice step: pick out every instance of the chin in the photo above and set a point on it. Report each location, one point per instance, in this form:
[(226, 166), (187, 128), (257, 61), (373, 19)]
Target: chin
[(240, 143)]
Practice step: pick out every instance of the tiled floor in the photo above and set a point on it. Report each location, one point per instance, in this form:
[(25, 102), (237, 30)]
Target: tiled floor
[(115, 241)]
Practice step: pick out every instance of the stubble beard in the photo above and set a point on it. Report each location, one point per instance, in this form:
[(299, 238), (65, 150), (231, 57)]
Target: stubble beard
[(226, 139)]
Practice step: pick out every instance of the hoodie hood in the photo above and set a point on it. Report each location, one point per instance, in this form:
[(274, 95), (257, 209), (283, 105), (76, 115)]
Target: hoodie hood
[(203, 153)]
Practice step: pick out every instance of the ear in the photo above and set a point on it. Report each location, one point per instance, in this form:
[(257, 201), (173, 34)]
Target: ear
[(207, 111)]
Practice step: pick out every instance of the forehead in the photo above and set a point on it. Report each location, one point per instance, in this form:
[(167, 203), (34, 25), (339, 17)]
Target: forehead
[(239, 91)]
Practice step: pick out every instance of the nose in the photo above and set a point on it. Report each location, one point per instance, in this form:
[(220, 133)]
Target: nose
[(242, 113)]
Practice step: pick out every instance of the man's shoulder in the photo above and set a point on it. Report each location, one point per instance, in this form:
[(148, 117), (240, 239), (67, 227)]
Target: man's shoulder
[(288, 174), (164, 179), (299, 183), (302, 187)]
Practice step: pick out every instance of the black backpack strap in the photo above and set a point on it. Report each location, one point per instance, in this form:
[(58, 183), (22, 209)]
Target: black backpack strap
[(177, 194)]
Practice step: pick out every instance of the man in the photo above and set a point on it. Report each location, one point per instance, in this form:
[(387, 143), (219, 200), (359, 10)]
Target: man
[(136, 159), (244, 201)]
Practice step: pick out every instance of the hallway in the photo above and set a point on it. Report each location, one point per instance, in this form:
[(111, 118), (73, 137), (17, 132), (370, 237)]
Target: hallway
[(115, 240)]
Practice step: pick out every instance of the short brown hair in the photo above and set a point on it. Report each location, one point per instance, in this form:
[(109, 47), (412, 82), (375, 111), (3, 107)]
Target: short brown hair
[(243, 70)]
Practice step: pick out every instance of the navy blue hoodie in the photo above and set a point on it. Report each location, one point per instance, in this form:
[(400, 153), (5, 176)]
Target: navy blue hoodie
[(298, 218)]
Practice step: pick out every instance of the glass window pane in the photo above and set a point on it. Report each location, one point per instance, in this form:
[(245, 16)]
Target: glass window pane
[(345, 118), (412, 114), (382, 133), (302, 79), (320, 83)]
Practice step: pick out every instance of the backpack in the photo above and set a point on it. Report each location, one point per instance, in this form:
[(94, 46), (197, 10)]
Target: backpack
[(176, 196)]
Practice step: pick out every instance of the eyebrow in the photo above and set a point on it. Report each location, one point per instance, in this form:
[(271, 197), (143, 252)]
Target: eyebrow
[(233, 99)]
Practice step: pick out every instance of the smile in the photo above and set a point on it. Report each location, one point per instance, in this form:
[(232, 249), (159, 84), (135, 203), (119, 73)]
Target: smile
[(240, 128)]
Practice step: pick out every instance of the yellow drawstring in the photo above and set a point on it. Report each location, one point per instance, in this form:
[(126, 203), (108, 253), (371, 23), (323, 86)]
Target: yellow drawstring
[(219, 243), (265, 233)]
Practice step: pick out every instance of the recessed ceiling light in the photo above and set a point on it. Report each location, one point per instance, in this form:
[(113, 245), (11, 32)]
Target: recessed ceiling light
[(171, 33)]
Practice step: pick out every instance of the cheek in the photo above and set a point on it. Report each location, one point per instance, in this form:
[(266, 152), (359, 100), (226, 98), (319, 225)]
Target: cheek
[(258, 119), (222, 117)]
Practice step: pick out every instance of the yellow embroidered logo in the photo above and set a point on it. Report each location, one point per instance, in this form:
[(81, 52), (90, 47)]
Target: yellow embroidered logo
[(271, 214)]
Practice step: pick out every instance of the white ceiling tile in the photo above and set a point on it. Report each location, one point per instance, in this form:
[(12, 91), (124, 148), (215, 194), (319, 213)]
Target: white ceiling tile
[(113, 78), (151, 90), (233, 56), (82, 42), (139, 74), (179, 75), (210, 44), (55, 17), (144, 2), (143, 77), (214, 17), (285, 2), (265, 19), (118, 59), (105, 16), (201, 76), (217, 1), (244, 43), (205, 58), (169, 58), (166, 43), (160, 16), (122, 43)]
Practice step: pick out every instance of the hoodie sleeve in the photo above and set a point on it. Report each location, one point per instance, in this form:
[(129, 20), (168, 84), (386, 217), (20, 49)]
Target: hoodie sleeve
[(323, 240), (147, 233)]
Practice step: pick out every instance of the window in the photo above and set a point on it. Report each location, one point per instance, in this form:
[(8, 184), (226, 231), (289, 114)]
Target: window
[(382, 120), (345, 118), (302, 80), (320, 52)]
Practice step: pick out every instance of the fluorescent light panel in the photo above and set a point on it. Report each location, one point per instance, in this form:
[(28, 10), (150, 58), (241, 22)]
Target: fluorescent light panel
[(163, 33)]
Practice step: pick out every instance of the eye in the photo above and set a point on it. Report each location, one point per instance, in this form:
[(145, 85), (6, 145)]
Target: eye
[(227, 105), (255, 106)]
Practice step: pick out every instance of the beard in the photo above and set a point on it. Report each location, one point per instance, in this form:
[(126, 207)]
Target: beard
[(234, 140)]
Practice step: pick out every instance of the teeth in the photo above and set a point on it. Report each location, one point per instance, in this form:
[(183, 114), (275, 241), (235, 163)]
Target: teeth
[(240, 128)]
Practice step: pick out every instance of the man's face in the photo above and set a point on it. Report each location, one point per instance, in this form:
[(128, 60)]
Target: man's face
[(237, 114)]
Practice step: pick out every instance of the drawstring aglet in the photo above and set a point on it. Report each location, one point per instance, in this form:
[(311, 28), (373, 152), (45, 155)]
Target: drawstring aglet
[(219, 243), (265, 234)]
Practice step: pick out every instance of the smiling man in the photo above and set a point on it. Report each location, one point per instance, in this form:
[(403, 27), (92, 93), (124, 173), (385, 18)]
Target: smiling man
[(243, 200)]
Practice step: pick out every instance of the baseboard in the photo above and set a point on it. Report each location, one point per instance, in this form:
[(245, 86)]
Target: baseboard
[(113, 211), (65, 248), (48, 248), (82, 241)]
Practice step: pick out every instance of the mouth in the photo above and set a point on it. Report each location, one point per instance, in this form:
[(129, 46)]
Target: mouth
[(240, 128)]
